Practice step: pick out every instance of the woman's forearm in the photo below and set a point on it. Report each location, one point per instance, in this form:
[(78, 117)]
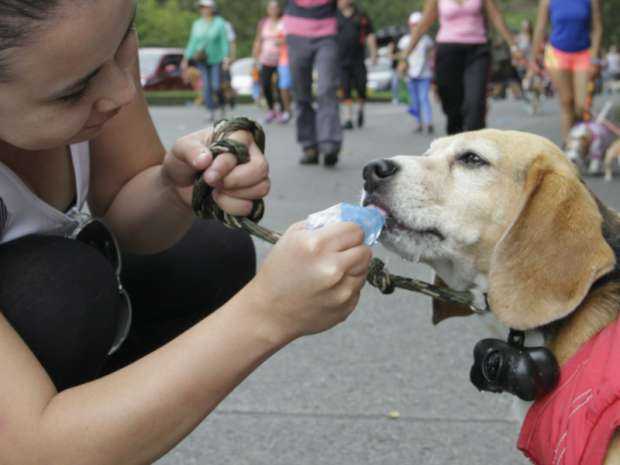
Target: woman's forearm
[(137, 414), (429, 16), (498, 21), (541, 26), (148, 215), (597, 30)]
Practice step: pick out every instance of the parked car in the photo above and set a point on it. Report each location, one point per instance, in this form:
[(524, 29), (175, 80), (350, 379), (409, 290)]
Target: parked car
[(160, 69), (379, 75)]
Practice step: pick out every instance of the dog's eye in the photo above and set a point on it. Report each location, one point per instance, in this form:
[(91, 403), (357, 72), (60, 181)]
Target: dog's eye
[(472, 160)]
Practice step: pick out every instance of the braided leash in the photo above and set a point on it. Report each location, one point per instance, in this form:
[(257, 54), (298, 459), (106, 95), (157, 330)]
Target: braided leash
[(205, 207)]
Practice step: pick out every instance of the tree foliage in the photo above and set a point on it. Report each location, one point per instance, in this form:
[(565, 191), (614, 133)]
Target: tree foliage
[(167, 22)]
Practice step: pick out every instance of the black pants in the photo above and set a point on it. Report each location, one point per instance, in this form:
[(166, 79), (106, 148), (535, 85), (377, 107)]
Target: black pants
[(60, 296), (354, 76), (462, 74), (266, 79)]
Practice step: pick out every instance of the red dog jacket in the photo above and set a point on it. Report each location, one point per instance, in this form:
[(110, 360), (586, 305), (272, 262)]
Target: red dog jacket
[(574, 423)]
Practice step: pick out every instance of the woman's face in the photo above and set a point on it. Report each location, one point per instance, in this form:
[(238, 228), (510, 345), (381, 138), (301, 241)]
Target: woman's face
[(73, 75), (273, 9), (206, 11)]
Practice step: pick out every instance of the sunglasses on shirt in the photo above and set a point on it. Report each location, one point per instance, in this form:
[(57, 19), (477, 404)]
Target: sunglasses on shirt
[(95, 233)]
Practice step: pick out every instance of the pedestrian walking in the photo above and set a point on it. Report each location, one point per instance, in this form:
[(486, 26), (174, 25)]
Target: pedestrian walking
[(419, 77), (208, 45), (462, 57), (355, 32), (311, 29), (266, 52), (285, 81), (230, 96), (572, 54)]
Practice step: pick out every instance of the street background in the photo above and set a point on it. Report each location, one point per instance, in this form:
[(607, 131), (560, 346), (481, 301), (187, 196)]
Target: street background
[(325, 399)]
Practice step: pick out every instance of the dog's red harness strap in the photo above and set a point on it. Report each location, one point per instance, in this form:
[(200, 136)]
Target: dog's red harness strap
[(574, 424)]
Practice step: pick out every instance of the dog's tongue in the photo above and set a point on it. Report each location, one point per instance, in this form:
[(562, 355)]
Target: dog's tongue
[(371, 219)]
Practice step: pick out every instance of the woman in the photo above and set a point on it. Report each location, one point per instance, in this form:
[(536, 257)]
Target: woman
[(70, 106), (285, 81), (419, 79), (208, 45), (463, 57), (266, 51), (572, 56)]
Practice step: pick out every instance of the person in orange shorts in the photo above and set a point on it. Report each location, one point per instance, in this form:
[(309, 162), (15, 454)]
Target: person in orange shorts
[(571, 56)]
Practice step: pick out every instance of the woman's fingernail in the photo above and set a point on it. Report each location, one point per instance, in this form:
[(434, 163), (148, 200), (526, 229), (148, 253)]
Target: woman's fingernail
[(201, 159), (212, 177)]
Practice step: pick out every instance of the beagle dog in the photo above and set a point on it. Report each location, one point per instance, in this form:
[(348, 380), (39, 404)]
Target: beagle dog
[(505, 215)]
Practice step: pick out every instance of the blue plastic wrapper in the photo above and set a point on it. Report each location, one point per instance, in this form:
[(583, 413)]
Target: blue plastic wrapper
[(370, 219)]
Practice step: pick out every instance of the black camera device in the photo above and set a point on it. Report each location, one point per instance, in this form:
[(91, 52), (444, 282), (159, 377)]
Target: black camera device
[(508, 366)]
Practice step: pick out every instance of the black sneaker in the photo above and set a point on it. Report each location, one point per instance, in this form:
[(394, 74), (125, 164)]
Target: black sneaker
[(331, 157), (348, 125), (310, 157), (360, 119)]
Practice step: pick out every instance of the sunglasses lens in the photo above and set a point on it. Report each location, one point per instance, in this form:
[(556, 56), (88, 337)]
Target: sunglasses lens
[(97, 235), (125, 314)]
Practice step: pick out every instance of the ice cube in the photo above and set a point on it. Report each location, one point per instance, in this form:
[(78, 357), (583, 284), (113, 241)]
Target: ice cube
[(370, 219)]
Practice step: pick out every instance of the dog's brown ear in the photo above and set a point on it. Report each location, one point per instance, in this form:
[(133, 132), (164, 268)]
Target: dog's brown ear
[(545, 263), (443, 311)]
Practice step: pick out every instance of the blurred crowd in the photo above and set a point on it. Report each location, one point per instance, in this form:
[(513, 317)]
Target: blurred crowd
[(311, 60)]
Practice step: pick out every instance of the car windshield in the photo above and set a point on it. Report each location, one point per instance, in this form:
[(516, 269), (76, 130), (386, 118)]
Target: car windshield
[(149, 59)]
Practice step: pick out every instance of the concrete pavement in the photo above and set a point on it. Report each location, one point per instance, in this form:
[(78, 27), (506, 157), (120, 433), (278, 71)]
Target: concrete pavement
[(325, 399)]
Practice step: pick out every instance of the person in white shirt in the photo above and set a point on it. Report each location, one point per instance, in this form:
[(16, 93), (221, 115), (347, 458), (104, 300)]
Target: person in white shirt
[(419, 76)]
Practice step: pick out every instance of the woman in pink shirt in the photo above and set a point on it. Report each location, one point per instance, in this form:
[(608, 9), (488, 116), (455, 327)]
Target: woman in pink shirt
[(463, 57), (266, 51)]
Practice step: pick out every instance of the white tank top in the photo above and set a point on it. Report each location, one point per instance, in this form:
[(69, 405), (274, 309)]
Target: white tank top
[(23, 213)]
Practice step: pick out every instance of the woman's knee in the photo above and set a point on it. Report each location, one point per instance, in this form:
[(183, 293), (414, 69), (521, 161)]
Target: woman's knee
[(61, 297)]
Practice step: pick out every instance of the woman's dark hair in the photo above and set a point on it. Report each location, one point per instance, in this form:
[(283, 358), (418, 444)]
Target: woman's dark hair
[(18, 20)]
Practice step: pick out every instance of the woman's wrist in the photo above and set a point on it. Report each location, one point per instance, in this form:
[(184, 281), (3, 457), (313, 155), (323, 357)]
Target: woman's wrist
[(171, 195), (267, 320)]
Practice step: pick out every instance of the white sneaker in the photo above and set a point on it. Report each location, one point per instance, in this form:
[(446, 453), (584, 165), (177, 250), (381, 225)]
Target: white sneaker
[(595, 166)]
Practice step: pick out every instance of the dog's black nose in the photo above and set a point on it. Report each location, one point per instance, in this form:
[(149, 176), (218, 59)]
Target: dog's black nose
[(377, 171)]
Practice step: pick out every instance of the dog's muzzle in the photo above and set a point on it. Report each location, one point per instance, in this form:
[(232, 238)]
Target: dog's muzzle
[(378, 172)]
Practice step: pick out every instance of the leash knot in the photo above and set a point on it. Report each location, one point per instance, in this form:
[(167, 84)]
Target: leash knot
[(379, 278), (203, 204)]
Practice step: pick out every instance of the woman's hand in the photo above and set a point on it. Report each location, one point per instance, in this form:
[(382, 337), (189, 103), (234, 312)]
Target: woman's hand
[(235, 187), (311, 280)]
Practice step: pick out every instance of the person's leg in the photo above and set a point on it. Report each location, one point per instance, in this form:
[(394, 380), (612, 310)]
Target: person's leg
[(581, 91), (395, 86), (361, 83), (284, 85), (563, 84), (346, 84), (207, 82), (475, 79), (329, 131), (414, 104), (61, 297), (216, 77), (426, 111), (301, 56), (173, 290), (266, 75), (449, 68)]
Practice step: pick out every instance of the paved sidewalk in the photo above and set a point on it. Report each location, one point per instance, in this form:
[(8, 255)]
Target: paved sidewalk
[(325, 399)]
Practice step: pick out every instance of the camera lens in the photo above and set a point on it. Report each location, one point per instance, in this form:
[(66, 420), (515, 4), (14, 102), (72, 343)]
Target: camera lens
[(492, 365)]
